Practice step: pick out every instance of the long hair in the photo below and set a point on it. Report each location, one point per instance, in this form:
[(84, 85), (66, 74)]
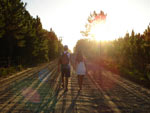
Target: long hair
[(79, 56)]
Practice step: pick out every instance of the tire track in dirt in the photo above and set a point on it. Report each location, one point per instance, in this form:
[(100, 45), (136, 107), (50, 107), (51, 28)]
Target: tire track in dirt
[(15, 98), (126, 97), (50, 79), (7, 92), (110, 103), (16, 77), (133, 85), (130, 89), (25, 100)]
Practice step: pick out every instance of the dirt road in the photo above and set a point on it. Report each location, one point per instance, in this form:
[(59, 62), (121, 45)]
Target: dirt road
[(37, 90)]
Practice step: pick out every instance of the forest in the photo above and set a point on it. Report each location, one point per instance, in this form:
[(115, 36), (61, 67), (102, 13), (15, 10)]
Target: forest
[(23, 41), (128, 56)]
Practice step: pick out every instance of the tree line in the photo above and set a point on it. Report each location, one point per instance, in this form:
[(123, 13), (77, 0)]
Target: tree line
[(128, 55), (22, 36)]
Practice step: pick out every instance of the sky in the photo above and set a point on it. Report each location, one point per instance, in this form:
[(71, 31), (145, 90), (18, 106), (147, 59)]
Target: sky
[(68, 17)]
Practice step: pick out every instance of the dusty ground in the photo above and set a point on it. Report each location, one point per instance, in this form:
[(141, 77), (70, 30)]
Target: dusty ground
[(38, 90)]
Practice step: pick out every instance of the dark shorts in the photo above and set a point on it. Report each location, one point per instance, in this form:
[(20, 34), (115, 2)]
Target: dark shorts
[(65, 71)]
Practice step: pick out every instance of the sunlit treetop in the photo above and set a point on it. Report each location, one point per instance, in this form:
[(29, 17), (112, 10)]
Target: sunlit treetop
[(93, 19)]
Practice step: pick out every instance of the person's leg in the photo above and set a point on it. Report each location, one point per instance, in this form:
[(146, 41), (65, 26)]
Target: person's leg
[(63, 81), (62, 75), (81, 81), (67, 75), (66, 81)]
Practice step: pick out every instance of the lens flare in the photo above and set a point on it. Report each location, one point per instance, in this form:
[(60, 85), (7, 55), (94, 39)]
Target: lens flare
[(101, 32), (31, 95), (42, 74)]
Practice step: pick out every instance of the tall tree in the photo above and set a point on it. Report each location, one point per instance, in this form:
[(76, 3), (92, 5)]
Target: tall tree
[(13, 24), (22, 35)]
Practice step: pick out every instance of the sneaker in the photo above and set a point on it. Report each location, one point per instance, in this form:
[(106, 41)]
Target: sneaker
[(62, 85), (66, 89)]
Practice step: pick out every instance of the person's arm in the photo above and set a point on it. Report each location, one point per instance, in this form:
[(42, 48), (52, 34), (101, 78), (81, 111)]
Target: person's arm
[(86, 66), (75, 63)]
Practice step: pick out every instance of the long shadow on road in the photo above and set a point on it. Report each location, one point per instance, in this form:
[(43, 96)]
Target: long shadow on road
[(70, 108)]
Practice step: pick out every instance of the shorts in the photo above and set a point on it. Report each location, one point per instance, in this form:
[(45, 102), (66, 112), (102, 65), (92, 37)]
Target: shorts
[(65, 71)]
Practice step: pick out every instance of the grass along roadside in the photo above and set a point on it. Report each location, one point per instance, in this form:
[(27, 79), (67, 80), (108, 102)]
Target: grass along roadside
[(12, 71)]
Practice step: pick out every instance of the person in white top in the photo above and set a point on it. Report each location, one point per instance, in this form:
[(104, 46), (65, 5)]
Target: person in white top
[(81, 69)]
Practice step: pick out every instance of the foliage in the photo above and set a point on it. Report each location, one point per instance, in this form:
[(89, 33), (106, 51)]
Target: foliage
[(128, 55), (10, 70), (22, 36), (93, 19)]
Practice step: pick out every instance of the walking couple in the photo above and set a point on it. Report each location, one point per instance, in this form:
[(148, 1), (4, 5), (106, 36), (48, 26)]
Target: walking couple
[(64, 66)]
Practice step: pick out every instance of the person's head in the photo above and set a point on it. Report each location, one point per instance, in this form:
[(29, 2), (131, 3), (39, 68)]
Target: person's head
[(65, 48), (79, 56), (79, 53)]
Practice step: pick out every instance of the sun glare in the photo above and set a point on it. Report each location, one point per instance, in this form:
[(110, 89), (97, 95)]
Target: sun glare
[(101, 32)]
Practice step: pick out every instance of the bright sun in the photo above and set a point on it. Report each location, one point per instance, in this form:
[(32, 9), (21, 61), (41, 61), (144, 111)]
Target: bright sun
[(101, 32)]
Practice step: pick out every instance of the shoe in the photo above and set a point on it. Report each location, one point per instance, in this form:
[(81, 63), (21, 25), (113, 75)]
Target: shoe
[(80, 88), (66, 89), (62, 85)]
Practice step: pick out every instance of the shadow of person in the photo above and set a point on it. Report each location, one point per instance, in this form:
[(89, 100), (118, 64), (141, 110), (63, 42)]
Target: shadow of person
[(53, 100), (73, 103)]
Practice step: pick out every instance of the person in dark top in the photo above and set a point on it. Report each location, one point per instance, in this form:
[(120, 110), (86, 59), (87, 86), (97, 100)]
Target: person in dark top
[(64, 65)]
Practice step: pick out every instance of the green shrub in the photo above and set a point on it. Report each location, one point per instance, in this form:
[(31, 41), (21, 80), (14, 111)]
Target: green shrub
[(3, 71), (148, 75), (19, 67), (11, 70)]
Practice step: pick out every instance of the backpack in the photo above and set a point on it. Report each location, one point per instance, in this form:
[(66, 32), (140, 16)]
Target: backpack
[(64, 58)]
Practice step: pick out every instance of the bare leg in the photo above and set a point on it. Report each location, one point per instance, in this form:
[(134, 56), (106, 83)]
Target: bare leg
[(66, 81), (79, 80), (63, 81)]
